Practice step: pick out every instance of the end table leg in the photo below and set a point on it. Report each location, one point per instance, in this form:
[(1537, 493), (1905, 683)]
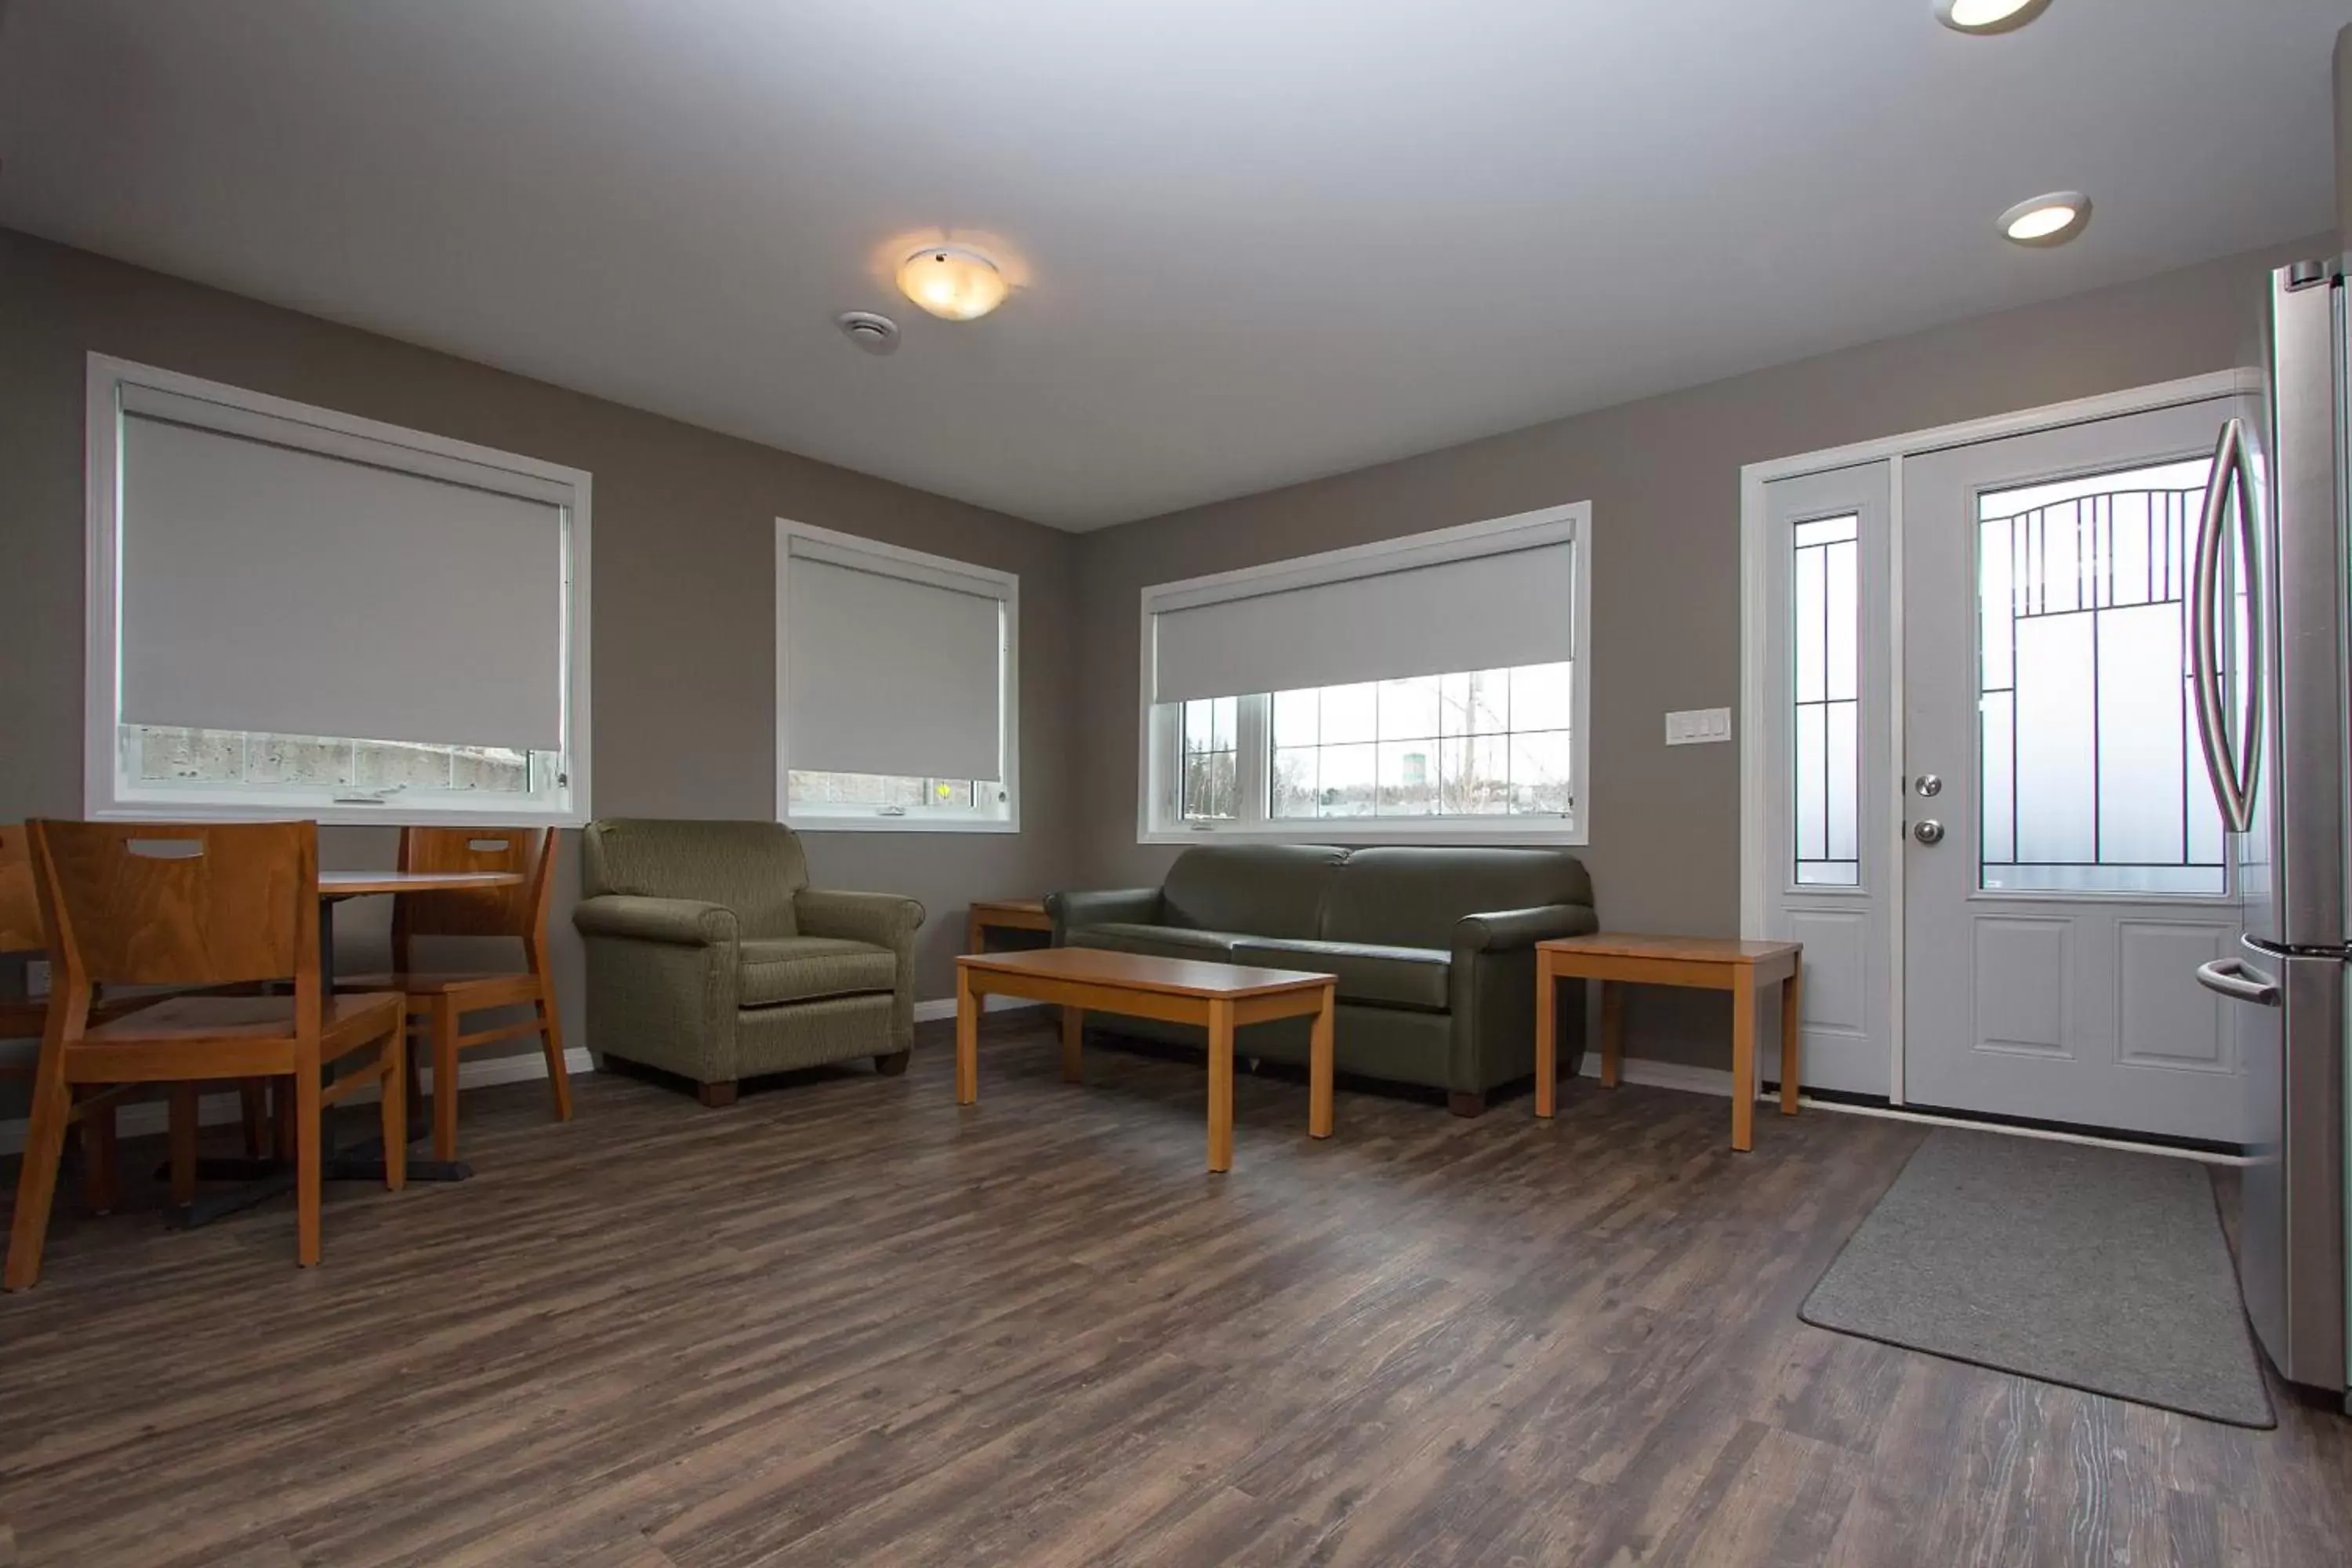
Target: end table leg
[(1743, 1059), (1792, 1036), (967, 1071), (1547, 1034), (1319, 1071), (1221, 1083), (1612, 1030), (1074, 1035)]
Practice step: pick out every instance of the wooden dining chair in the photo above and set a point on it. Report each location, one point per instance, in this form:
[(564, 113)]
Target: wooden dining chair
[(205, 905), (22, 1017), (439, 1003)]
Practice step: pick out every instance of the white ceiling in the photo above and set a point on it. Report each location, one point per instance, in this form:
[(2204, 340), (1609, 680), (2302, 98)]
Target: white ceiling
[(1252, 243)]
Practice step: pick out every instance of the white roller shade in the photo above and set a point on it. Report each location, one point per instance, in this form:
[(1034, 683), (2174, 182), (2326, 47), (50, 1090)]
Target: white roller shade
[(890, 668), (1421, 616), (280, 578)]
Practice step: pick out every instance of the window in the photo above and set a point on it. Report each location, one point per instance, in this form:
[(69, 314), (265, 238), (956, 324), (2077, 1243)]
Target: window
[(2092, 781), (1427, 685), (897, 679), (1825, 618), (294, 611)]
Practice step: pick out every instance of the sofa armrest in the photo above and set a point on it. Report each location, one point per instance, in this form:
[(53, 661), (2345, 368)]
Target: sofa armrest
[(1135, 906), (682, 922), (1505, 929), (886, 920)]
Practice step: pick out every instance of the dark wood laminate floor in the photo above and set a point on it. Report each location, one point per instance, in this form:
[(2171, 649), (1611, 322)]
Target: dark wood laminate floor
[(845, 1323)]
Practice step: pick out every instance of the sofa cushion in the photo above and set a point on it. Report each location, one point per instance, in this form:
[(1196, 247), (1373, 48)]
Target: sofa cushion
[(1266, 890), (1413, 895), (751, 867), (1157, 940), (1413, 977), (804, 968)]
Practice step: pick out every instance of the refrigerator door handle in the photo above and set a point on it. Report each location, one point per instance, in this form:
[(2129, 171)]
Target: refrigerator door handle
[(2232, 775), (2230, 977)]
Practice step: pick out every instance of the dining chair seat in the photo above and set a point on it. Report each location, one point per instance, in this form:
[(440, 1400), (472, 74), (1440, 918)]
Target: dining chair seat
[(175, 1021), (481, 988)]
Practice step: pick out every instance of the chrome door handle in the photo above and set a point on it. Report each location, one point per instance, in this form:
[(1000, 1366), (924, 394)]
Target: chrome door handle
[(2232, 776), (2230, 977), (1928, 832)]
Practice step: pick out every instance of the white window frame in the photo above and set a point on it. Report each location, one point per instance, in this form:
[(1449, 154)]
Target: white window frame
[(107, 792), (1159, 733), (877, 819)]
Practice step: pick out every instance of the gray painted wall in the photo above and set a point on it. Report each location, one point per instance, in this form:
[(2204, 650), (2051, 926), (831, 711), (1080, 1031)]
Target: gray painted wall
[(2344, 136), (1662, 475), (682, 620)]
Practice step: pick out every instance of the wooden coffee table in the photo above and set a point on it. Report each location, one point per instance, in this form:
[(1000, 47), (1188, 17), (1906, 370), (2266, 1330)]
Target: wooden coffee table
[(1710, 963), (1220, 997)]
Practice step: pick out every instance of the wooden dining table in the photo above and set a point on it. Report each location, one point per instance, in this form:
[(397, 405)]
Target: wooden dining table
[(261, 1180)]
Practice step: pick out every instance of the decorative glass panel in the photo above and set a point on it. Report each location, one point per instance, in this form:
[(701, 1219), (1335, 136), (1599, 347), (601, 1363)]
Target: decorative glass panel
[(1825, 623), (2092, 777)]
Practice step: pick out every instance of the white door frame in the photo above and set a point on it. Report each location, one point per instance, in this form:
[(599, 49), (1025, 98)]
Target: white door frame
[(1757, 794)]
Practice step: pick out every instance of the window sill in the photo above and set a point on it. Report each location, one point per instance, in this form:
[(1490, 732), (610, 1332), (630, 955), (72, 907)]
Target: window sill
[(390, 814), (1382, 830), (827, 824)]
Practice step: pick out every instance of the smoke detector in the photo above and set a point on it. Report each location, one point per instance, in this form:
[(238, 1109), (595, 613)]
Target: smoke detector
[(874, 333)]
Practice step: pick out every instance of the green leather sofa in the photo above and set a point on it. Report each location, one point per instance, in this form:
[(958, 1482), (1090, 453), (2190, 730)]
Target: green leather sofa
[(1433, 947), (709, 956)]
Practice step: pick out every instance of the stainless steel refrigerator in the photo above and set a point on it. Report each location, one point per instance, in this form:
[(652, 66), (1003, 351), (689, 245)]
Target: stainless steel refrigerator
[(2269, 671)]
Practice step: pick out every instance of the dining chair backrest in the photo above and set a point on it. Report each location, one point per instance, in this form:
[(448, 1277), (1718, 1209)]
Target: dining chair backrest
[(20, 906), (517, 909), (181, 903)]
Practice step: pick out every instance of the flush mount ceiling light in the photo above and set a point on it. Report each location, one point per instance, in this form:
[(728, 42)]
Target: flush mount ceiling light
[(2047, 220), (951, 281), (1987, 16)]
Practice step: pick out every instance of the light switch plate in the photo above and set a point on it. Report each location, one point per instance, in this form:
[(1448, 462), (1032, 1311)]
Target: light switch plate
[(1698, 726)]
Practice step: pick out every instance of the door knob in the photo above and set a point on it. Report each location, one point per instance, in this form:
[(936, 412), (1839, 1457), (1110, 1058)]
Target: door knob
[(1928, 832)]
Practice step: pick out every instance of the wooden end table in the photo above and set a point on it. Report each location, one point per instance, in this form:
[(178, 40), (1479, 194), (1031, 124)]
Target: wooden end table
[(1004, 914), (1708, 963), (1220, 997)]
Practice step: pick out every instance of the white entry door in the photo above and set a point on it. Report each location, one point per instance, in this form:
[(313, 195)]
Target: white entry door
[(2065, 867)]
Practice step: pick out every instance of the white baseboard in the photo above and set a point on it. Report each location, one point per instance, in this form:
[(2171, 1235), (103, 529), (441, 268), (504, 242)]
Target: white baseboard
[(1662, 1075), (944, 1008), (149, 1117)]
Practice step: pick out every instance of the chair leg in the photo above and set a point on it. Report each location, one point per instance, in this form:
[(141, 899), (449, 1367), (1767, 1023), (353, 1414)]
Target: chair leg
[(551, 1039), (101, 1167), (716, 1095), (445, 1078), (308, 1161), (394, 1103), (413, 1051), (36, 1182), (253, 1111), (185, 1108)]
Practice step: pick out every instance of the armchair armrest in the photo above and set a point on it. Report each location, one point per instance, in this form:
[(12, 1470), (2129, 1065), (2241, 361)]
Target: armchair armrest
[(886, 920), (1116, 906), (683, 923), (1505, 929)]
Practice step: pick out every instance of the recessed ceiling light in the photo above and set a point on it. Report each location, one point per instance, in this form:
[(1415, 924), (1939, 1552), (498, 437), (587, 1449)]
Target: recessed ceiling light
[(1987, 16), (952, 281), (2046, 220)]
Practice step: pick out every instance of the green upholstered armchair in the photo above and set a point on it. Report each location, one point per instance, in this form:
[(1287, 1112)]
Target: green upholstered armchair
[(710, 955)]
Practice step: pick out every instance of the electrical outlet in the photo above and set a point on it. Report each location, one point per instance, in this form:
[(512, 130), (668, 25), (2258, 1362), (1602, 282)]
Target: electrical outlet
[(37, 978), (1698, 726)]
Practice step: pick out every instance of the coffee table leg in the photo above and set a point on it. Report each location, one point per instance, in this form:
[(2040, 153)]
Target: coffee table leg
[(1319, 1071), (967, 1071), (1743, 1059), (1792, 1036), (1612, 1030), (1547, 1034), (1073, 1037), (1221, 1083)]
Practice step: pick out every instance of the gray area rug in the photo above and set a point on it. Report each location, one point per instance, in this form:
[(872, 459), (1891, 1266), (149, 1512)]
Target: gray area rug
[(2098, 1269)]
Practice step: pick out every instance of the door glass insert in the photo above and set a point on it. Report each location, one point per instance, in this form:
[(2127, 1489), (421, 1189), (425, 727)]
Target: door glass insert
[(1825, 611), (2092, 777)]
